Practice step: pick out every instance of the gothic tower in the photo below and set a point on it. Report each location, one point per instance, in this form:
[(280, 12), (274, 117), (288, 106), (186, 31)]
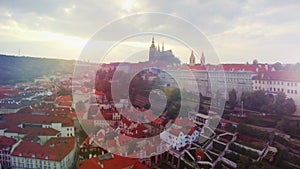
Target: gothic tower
[(192, 59), (152, 51), (202, 60)]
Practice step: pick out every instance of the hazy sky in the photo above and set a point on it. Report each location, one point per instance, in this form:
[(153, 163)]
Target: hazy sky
[(240, 31)]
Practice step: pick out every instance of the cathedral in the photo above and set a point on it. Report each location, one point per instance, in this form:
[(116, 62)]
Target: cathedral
[(157, 54), (193, 59)]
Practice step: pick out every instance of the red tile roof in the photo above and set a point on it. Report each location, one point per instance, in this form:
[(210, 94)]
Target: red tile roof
[(111, 143), (158, 121), (65, 101), (184, 122), (192, 131), (141, 101), (175, 132), (124, 140), (228, 67), (100, 93), (56, 149), (32, 132), (6, 142), (5, 92), (15, 119), (117, 162), (280, 75)]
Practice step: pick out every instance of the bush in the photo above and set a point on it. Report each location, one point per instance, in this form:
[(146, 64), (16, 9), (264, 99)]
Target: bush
[(230, 128), (218, 146), (281, 140), (257, 122), (246, 130), (258, 147), (232, 157), (244, 151)]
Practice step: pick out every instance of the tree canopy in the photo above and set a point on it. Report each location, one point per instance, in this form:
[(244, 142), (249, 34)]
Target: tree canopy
[(277, 104), (232, 101)]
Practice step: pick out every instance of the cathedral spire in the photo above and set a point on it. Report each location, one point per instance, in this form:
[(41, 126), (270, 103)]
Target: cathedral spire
[(192, 59), (158, 49), (202, 60), (162, 48), (152, 44)]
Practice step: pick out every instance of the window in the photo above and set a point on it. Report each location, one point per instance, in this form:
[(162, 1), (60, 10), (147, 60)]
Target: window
[(281, 83), (292, 91), (270, 89), (288, 84), (295, 91), (282, 90), (288, 91)]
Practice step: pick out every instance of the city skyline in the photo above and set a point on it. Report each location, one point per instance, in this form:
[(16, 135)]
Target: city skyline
[(239, 31)]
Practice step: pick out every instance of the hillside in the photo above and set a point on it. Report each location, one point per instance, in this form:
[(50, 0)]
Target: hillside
[(23, 69)]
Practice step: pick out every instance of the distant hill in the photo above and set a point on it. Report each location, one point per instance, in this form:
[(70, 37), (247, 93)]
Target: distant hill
[(14, 69)]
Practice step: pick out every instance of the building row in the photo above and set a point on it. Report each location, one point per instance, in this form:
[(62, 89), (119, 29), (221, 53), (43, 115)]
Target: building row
[(56, 153)]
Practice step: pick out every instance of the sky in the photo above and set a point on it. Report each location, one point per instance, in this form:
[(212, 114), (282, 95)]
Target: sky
[(237, 31)]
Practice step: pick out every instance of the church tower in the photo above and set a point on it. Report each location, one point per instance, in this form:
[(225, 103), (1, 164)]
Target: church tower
[(152, 51), (202, 60), (192, 59)]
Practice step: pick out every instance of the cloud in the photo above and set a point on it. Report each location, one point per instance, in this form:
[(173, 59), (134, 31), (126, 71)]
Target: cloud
[(239, 30)]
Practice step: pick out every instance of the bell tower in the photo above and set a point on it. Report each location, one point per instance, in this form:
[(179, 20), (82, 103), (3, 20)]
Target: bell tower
[(202, 60), (192, 59), (152, 50)]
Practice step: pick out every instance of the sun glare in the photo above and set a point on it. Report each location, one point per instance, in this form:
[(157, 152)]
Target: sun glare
[(128, 5)]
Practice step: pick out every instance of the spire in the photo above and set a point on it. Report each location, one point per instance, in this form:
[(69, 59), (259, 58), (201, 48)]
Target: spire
[(202, 60), (192, 58), (162, 48), (158, 49), (152, 44)]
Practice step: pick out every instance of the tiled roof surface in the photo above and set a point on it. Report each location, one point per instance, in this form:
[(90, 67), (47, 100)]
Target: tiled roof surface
[(117, 162), (6, 142), (55, 149), (280, 75)]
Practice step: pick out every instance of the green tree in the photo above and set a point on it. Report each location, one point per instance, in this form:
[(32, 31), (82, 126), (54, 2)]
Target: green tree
[(218, 98), (219, 165), (278, 66), (232, 100), (280, 157), (289, 107), (260, 165), (243, 163)]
